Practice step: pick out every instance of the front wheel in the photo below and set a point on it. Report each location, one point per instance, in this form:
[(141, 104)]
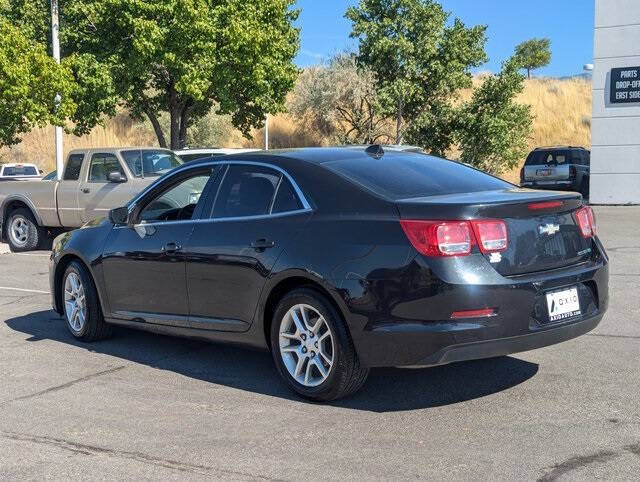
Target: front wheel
[(312, 348), (81, 305)]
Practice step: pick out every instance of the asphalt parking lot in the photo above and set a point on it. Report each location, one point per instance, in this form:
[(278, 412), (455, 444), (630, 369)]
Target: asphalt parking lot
[(142, 406)]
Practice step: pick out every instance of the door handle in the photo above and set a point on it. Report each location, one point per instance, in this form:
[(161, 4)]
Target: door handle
[(171, 248), (86, 190), (262, 244)]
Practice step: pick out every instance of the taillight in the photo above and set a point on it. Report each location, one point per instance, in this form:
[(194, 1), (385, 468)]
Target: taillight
[(572, 172), (586, 221), (439, 238), (456, 238), (491, 235)]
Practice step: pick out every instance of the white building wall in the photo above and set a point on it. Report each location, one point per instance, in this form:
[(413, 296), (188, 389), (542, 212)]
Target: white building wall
[(615, 129)]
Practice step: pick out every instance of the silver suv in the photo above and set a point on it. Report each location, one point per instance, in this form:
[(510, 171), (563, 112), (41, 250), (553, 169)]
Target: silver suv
[(563, 168)]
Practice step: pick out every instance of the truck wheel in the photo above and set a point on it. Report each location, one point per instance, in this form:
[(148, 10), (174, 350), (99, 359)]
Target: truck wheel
[(23, 232)]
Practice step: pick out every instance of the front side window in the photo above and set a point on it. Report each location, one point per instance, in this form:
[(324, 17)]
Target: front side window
[(74, 165), (102, 165), (150, 162), (246, 190), (178, 203)]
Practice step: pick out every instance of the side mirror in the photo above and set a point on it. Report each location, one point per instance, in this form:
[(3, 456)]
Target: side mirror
[(116, 177), (119, 215)]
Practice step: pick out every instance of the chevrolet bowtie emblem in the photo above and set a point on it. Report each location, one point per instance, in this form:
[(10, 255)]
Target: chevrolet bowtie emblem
[(549, 229)]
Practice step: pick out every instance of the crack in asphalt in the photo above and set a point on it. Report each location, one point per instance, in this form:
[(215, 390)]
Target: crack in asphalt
[(631, 337), (65, 385), (579, 461), (89, 450)]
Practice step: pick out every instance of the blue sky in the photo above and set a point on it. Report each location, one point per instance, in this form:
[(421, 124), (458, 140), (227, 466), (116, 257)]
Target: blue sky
[(568, 23)]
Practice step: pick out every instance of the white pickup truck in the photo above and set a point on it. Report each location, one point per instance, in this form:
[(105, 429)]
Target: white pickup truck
[(94, 181), (19, 172)]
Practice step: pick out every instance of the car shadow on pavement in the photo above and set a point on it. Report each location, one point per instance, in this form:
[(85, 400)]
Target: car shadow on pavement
[(386, 390)]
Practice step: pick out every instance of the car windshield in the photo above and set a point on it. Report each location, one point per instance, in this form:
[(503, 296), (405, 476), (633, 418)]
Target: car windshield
[(404, 176), (150, 162)]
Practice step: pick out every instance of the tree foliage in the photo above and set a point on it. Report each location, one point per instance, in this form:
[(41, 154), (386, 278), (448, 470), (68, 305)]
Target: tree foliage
[(30, 80), (494, 128), (174, 56), (338, 101), (534, 54), (419, 60)]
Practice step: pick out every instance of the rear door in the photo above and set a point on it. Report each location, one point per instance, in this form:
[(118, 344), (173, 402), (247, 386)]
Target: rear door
[(97, 194), (546, 166), (257, 215), (68, 191)]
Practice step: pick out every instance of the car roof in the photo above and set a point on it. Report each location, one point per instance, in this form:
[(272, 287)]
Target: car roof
[(18, 164), (552, 148), (118, 149)]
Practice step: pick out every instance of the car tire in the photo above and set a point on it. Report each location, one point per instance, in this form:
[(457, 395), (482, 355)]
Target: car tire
[(343, 376), (23, 232), (81, 306)]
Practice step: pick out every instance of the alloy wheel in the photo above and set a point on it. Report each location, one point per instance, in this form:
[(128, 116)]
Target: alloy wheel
[(306, 345), (19, 231), (75, 302)]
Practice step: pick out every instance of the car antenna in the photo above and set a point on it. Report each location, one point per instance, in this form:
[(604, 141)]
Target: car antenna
[(376, 151)]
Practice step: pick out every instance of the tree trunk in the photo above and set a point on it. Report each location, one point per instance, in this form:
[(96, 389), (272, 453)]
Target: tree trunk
[(185, 116), (399, 123), (174, 114), (162, 141)]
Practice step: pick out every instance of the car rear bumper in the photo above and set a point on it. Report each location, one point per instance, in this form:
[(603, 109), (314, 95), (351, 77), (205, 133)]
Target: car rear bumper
[(522, 322)]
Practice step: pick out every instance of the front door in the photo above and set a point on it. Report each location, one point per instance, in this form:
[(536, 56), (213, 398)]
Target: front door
[(256, 216), (97, 195), (144, 265)]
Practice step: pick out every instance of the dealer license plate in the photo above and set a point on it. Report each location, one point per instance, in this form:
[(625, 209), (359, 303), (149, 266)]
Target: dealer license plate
[(544, 172), (563, 304)]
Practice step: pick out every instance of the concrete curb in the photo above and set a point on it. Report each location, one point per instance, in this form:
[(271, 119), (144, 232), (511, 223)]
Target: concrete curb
[(4, 248)]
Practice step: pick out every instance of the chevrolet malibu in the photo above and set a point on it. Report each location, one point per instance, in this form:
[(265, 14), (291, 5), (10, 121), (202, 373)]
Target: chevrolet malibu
[(338, 260)]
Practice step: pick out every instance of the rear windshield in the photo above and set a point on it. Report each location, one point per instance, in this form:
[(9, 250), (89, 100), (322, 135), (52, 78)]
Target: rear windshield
[(405, 176), (149, 163), (550, 158), (20, 171)]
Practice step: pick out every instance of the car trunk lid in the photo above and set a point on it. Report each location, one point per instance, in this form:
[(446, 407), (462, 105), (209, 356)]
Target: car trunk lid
[(543, 233)]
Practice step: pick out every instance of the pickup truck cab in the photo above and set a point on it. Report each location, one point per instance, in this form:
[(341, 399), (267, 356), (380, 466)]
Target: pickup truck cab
[(94, 181), (19, 172)]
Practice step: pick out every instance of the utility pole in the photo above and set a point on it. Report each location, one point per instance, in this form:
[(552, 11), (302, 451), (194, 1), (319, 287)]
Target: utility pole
[(55, 42), (266, 133)]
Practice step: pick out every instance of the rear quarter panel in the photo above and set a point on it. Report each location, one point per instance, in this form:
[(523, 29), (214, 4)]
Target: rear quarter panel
[(37, 195)]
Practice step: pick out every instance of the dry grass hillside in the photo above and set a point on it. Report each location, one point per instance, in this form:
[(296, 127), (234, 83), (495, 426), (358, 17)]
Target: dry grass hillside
[(562, 110)]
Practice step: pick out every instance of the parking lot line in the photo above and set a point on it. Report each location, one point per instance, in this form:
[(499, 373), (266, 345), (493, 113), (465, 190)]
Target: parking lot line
[(7, 288)]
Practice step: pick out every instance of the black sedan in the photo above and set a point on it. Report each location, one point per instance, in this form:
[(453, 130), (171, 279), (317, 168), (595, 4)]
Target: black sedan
[(338, 260)]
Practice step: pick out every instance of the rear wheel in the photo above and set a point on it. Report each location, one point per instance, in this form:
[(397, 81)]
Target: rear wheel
[(23, 232), (81, 305), (312, 348)]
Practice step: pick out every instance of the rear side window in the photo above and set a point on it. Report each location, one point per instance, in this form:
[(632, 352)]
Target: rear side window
[(20, 171), (195, 157), (286, 198), (74, 165), (246, 191), (405, 176)]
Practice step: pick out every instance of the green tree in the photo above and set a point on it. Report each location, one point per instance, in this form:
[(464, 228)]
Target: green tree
[(30, 80), (534, 54), (419, 60), (179, 57), (493, 128)]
